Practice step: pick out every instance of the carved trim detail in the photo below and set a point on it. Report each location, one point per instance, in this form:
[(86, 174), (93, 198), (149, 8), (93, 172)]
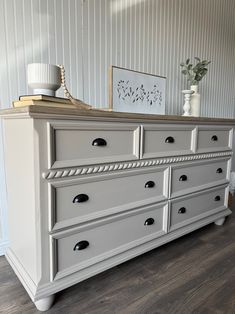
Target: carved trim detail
[(77, 171)]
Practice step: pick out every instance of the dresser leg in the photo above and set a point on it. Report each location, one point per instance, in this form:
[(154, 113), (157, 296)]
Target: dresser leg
[(220, 221), (45, 303)]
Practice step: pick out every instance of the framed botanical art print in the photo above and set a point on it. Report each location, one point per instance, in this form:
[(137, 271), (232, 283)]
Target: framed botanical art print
[(132, 91)]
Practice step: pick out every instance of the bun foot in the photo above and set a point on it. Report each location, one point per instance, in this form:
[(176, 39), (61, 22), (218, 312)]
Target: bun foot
[(220, 221), (45, 303)]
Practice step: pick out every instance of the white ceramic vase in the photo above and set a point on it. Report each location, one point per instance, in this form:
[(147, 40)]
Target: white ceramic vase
[(43, 78), (195, 101)]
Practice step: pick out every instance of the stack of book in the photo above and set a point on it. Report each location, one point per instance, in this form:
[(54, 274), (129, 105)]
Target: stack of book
[(49, 101)]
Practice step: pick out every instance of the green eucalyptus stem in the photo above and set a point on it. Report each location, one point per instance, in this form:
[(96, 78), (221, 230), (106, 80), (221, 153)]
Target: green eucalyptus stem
[(194, 73)]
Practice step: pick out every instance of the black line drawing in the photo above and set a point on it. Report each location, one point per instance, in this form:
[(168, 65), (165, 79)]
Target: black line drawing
[(132, 95)]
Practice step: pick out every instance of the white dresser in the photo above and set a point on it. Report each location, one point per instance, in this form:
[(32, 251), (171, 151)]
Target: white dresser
[(91, 189)]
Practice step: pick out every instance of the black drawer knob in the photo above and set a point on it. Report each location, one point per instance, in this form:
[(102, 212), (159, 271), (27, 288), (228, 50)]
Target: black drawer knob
[(99, 142), (217, 198), (169, 139), (149, 221), (149, 184), (81, 245), (219, 170), (80, 198), (183, 178), (214, 138), (182, 210)]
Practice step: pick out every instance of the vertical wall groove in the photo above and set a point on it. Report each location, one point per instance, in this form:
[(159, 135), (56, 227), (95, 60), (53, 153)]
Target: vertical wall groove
[(153, 36)]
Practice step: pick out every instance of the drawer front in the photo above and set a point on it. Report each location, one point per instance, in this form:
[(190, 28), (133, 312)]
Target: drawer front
[(74, 144), (79, 249), (197, 206), (193, 177), (214, 139), (166, 141), (77, 201)]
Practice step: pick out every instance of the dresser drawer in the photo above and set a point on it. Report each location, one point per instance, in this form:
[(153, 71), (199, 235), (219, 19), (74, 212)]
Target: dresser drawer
[(78, 249), (166, 141), (77, 201), (74, 144), (195, 176), (212, 139), (197, 206)]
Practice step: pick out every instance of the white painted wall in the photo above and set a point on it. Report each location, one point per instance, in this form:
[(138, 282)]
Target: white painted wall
[(145, 35), (3, 201)]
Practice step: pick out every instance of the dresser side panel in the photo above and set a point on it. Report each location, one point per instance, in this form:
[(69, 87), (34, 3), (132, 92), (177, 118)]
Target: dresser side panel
[(19, 163)]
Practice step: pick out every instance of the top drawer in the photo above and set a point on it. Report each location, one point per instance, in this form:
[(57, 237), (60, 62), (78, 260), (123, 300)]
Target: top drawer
[(167, 140), (212, 139), (75, 144)]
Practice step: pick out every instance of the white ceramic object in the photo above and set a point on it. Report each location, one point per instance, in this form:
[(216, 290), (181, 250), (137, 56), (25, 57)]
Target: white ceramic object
[(43, 78), (195, 101), (187, 95)]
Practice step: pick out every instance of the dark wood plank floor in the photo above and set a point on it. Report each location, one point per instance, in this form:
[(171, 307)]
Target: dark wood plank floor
[(193, 274)]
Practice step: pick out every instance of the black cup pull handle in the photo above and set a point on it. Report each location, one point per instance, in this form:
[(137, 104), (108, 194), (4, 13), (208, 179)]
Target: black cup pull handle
[(183, 178), (182, 210), (81, 245), (217, 198), (214, 138), (149, 221), (169, 139), (80, 198), (99, 142), (219, 170), (149, 184)]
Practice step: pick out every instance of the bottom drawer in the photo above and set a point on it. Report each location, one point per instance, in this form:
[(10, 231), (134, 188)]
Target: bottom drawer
[(197, 206), (79, 248)]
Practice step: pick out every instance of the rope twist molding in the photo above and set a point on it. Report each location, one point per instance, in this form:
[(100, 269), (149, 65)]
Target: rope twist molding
[(76, 171)]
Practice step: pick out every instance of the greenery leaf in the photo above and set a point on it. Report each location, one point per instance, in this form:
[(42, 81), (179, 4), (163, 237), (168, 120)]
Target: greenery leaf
[(196, 72)]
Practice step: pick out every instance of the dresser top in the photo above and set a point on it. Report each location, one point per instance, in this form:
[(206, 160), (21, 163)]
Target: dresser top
[(36, 110)]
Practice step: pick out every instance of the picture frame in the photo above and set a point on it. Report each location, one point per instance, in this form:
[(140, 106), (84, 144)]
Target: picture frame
[(136, 92)]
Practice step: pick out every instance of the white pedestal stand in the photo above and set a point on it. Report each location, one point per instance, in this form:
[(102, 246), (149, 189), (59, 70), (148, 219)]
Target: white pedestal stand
[(187, 96)]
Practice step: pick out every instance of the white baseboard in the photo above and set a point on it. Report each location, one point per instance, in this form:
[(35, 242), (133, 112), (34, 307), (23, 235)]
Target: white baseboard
[(3, 247)]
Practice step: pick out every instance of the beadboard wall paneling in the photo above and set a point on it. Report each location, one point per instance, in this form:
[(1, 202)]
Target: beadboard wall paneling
[(88, 36), (155, 36), (48, 31)]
